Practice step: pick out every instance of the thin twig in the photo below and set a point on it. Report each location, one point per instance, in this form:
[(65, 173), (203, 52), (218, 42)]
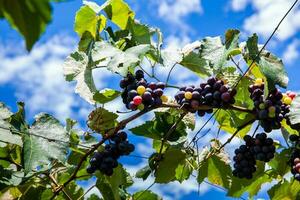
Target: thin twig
[(148, 188), (236, 64), (169, 74), (86, 192)]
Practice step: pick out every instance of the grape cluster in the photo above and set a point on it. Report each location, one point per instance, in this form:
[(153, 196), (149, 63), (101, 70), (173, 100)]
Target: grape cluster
[(262, 147), (259, 148), (214, 93), (138, 94), (105, 161), (244, 161), (272, 109), (295, 157)]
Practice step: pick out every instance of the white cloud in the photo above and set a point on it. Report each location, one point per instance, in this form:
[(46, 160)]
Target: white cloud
[(38, 80), (267, 15), (175, 11), (291, 53), (238, 5)]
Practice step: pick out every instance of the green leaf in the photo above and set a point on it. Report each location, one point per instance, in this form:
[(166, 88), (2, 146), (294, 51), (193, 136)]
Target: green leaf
[(143, 173), (280, 163), (273, 69), (294, 114), (109, 186), (28, 17), (39, 151), (5, 133), (8, 177), (119, 12), (116, 60), (101, 120), (85, 21), (183, 171), (146, 195), (252, 47), (171, 57), (195, 63), (76, 68), (231, 120), (190, 121), (213, 50), (216, 170), (141, 34), (252, 186), (285, 191), (160, 125), (166, 170), (106, 95)]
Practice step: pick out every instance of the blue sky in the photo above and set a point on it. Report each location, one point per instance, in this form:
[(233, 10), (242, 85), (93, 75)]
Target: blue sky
[(36, 77)]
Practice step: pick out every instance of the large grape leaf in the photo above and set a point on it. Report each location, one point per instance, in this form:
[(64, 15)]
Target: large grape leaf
[(106, 95), (166, 169), (280, 163), (101, 120), (216, 170), (269, 65), (109, 186), (119, 12), (231, 120), (28, 17), (116, 60), (159, 126), (215, 52), (39, 151), (140, 33), (85, 21), (5, 133), (76, 68), (294, 114), (146, 195), (285, 190), (195, 63)]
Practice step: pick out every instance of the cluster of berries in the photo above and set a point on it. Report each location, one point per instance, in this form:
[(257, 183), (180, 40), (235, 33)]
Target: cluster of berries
[(258, 148), (214, 93), (105, 161), (270, 110), (262, 147), (295, 157), (138, 94)]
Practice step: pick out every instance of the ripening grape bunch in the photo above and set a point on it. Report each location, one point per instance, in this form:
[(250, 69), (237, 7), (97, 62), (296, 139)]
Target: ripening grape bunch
[(270, 110), (105, 161), (214, 93), (259, 148), (295, 157), (138, 94)]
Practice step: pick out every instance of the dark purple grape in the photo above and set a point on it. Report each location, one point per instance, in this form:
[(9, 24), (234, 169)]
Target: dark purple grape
[(147, 96), (194, 104), (189, 89), (123, 83), (226, 97), (152, 85), (223, 89), (211, 81), (132, 94), (196, 95), (161, 85), (217, 95), (158, 92), (139, 74)]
